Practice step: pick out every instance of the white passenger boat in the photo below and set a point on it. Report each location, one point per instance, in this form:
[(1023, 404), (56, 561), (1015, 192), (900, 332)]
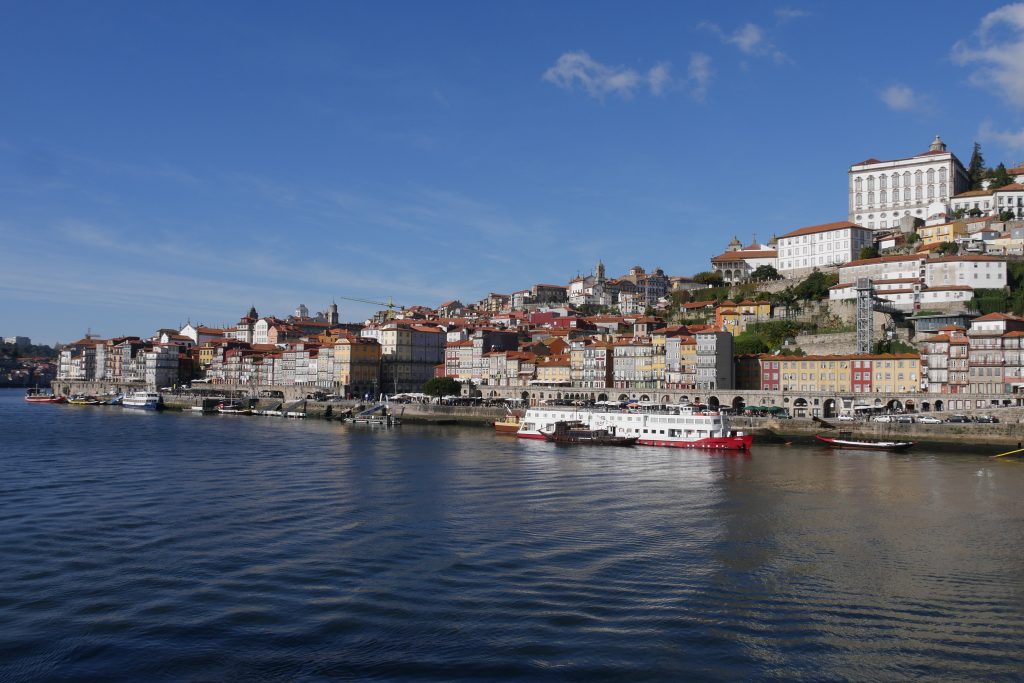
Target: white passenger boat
[(680, 426), (142, 400)]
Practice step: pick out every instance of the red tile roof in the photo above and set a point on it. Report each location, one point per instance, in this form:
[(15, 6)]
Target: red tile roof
[(824, 227)]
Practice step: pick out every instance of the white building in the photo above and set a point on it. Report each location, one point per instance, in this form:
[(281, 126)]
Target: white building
[(913, 282), (880, 192), (739, 262), (991, 202), (820, 246), (715, 368)]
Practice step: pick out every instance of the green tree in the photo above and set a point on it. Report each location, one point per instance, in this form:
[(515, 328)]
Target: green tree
[(815, 286), (749, 343), (1007, 215), (441, 386), (913, 238), (870, 251), (709, 277), (976, 169), (765, 272), (947, 248), (999, 178)]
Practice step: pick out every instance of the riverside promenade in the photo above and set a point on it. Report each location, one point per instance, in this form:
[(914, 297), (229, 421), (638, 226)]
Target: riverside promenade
[(978, 438)]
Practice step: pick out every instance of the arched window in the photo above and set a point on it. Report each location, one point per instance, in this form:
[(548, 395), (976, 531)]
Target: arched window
[(917, 192), (881, 182), (860, 199), (895, 195), (942, 175), (871, 198), (906, 179), (918, 178), (881, 196), (931, 176), (931, 192), (895, 179), (942, 189), (859, 184), (871, 182)]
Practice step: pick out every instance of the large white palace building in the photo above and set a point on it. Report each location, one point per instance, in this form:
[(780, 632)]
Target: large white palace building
[(883, 191)]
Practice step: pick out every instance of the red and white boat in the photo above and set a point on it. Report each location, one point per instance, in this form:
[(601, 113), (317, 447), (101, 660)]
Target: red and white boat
[(37, 396), (671, 426)]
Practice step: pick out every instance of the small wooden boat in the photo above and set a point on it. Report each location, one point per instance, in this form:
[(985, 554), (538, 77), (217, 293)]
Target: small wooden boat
[(84, 401), (575, 433), (860, 444), (233, 408), (507, 425)]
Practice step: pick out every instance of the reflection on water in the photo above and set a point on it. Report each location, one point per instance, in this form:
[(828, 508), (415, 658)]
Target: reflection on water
[(145, 547)]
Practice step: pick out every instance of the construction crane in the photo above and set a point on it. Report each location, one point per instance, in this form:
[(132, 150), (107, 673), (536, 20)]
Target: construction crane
[(390, 305)]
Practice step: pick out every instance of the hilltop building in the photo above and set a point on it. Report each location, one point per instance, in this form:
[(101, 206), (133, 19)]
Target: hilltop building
[(882, 191)]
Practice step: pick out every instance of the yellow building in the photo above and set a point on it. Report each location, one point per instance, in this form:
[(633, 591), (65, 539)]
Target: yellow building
[(735, 317), (357, 364), (554, 370), (840, 374), (947, 232)]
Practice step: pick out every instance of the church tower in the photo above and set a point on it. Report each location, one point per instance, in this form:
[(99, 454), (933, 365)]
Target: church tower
[(332, 313), (599, 271)]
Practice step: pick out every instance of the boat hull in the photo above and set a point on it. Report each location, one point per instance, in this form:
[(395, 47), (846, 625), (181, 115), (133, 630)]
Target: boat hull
[(506, 427), (865, 445), (718, 443), (45, 399)]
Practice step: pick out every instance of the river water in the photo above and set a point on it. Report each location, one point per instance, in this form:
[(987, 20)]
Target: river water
[(147, 547)]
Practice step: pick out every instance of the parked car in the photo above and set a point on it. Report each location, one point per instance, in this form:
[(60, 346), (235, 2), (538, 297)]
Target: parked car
[(846, 418), (960, 419), (929, 420), (987, 419), (882, 418), (904, 419)]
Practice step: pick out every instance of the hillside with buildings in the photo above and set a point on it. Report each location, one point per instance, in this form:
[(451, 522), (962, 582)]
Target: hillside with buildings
[(920, 284)]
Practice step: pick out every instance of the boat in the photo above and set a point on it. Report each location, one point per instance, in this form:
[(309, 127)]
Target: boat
[(379, 414), (575, 433), (232, 408), (142, 400), (861, 444), (80, 400), (507, 425), (673, 426), (114, 400), (39, 396)]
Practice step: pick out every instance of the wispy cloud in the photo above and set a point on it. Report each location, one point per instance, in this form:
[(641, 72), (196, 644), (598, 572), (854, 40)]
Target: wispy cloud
[(899, 97), (750, 39), (784, 14), (1009, 139), (997, 50), (699, 72), (580, 70)]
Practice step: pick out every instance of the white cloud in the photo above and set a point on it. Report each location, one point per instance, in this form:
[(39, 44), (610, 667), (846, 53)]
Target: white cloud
[(900, 98), (659, 77), (699, 73), (750, 38), (579, 69), (1008, 139), (784, 14), (997, 49)]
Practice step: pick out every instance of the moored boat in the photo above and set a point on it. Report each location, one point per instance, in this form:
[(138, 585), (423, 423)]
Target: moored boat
[(673, 426), (233, 408), (80, 400), (861, 444), (39, 396), (507, 425), (575, 433), (142, 400)]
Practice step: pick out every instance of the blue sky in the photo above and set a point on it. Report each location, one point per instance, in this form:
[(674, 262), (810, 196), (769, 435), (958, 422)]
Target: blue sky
[(161, 162)]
